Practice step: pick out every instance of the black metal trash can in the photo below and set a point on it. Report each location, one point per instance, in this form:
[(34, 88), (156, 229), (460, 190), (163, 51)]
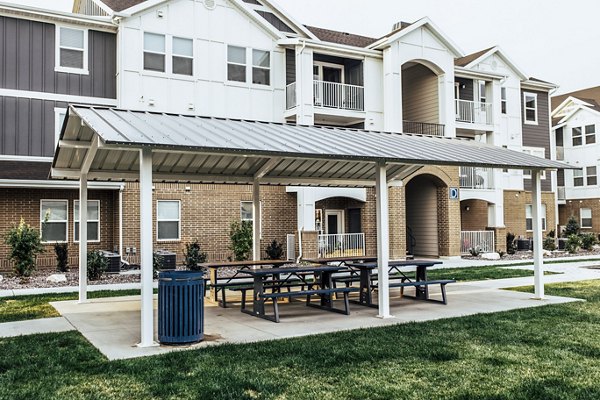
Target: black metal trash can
[(180, 307)]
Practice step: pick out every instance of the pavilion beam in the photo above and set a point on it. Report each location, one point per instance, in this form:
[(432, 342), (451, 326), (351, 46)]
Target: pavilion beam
[(383, 240), (90, 155), (83, 201), (538, 256), (256, 217), (146, 243)]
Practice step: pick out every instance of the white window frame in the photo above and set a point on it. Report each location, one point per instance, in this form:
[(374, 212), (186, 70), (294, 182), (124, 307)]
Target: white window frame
[(249, 65), (579, 173), (269, 68), (57, 123), (165, 54), (57, 47), (252, 220), (529, 207), (534, 151), (525, 108), (172, 55), (581, 218), (581, 136), (585, 134), (481, 87), (66, 222), (76, 220), (503, 101), (245, 65), (587, 175), (169, 220)]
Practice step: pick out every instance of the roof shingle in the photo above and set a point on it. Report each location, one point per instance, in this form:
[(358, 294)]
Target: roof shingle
[(120, 5), (349, 39), (468, 59), (589, 95)]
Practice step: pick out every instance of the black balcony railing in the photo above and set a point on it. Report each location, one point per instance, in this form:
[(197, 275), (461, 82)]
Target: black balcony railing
[(423, 128)]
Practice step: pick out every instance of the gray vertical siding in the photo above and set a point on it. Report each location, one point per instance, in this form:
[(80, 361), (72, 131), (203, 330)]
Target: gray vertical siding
[(467, 92), (27, 61), (538, 135), (290, 66), (27, 126)]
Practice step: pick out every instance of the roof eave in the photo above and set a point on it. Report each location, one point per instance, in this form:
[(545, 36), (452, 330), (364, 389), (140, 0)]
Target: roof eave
[(334, 47)]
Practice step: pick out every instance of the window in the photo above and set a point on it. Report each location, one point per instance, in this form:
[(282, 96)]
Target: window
[(93, 220), (590, 134), (482, 98), (592, 176), (168, 219), (54, 220), (246, 213), (154, 52), (538, 152), (59, 118), (586, 217), (503, 100), (577, 177), (236, 64), (531, 112), (576, 134), (529, 217), (261, 67), (71, 50), (183, 56)]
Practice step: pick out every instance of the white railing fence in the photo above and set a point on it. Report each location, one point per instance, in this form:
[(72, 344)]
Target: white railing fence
[(291, 100), (342, 245), (474, 112), (484, 240), (291, 247), (339, 95), (476, 178)]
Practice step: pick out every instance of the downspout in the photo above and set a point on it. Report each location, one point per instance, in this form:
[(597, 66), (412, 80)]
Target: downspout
[(121, 189), (302, 189)]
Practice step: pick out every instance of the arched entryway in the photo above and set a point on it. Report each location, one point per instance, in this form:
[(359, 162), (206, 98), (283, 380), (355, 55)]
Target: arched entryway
[(422, 215), (421, 98)]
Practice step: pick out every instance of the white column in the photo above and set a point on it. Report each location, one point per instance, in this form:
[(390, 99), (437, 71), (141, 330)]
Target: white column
[(83, 195), (121, 221), (383, 241), (146, 243), (447, 103), (256, 217), (304, 86), (392, 89), (538, 257)]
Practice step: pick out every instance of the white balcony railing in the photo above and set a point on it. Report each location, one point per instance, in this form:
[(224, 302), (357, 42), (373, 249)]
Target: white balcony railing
[(291, 100), (474, 112), (342, 245), (484, 240), (476, 178), (339, 95)]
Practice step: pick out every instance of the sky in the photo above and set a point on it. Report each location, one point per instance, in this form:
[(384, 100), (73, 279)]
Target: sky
[(553, 40)]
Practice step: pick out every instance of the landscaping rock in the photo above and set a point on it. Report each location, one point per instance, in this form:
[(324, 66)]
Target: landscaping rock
[(490, 256), (546, 253), (57, 278), (1, 278)]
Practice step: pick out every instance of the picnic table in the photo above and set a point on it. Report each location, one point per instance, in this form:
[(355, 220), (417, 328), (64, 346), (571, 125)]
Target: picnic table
[(420, 282), (341, 260), (271, 278), (221, 283)]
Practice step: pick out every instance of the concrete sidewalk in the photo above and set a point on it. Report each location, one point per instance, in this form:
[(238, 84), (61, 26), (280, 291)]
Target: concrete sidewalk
[(35, 326)]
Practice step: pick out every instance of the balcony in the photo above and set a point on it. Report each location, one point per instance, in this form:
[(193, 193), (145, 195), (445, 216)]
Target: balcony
[(341, 245), (330, 95), (474, 112), (423, 128), (476, 178), (484, 240)]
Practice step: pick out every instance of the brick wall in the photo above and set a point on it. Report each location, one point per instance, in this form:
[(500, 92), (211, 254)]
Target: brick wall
[(476, 217), (573, 207), (514, 211), (25, 203)]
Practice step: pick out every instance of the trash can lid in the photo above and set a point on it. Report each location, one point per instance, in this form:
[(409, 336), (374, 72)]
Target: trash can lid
[(181, 275)]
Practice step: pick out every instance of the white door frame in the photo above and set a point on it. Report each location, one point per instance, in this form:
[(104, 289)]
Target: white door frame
[(321, 64), (340, 218)]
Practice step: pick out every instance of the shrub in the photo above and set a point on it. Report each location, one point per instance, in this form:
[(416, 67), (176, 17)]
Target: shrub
[(194, 256), (510, 243), (157, 263), (62, 257), (275, 250), (572, 227), (475, 251), (588, 240), (25, 244), (97, 264), (552, 234), (549, 244), (573, 244), (241, 240)]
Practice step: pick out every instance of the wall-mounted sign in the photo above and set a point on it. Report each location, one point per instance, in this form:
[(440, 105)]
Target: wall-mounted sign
[(454, 193)]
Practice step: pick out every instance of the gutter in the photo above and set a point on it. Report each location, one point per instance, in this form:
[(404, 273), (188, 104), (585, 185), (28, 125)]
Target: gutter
[(40, 13), (463, 72), (332, 47)]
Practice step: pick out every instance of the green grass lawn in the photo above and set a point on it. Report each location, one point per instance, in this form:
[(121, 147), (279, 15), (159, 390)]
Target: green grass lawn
[(549, 352), (480, 273)]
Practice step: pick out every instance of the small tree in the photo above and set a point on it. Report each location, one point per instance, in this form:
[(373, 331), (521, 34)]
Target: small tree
[(194, 256), (573, 244), (97, 264), (572, 227), (588, 240), (25, 244), (275, 250), (62, 257), (241, 240), (549, 244), (510, 243)]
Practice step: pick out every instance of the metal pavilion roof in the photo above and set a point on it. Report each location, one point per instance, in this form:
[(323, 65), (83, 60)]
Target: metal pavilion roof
[(213, 150)]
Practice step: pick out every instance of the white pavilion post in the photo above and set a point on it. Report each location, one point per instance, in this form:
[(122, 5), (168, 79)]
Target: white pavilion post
[(256, 217), (538, 257), (383, 240), (146, 243), (83, 196)]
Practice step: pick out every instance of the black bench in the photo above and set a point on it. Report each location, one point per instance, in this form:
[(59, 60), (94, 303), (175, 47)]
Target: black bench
[(246, 285), (272, 285), (348, 280), (420, 286), (308, 293)]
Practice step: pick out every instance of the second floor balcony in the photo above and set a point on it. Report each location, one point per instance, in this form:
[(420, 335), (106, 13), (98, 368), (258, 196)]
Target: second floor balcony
[(476, 178), (474, 112), (331, 95)]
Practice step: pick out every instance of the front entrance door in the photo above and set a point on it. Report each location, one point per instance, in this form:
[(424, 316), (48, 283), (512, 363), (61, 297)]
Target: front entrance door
[(335, 221)]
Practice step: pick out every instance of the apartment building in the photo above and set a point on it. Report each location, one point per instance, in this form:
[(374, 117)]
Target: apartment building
[(575, 119), (184, 57)]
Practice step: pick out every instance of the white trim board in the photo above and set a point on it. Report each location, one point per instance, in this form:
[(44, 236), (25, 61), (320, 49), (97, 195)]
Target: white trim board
[(37, 184), (26, 94)]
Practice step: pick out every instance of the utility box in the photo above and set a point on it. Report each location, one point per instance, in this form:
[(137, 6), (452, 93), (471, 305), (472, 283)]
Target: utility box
[(114, 262), (168, 260)]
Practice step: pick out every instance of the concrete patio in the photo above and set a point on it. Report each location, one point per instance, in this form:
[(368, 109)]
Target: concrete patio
[(113, 325)]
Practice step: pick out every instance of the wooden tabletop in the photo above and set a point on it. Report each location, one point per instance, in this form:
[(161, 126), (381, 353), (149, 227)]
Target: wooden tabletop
[(341, 259), (405, 263), (296, 270), (245, 263)]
